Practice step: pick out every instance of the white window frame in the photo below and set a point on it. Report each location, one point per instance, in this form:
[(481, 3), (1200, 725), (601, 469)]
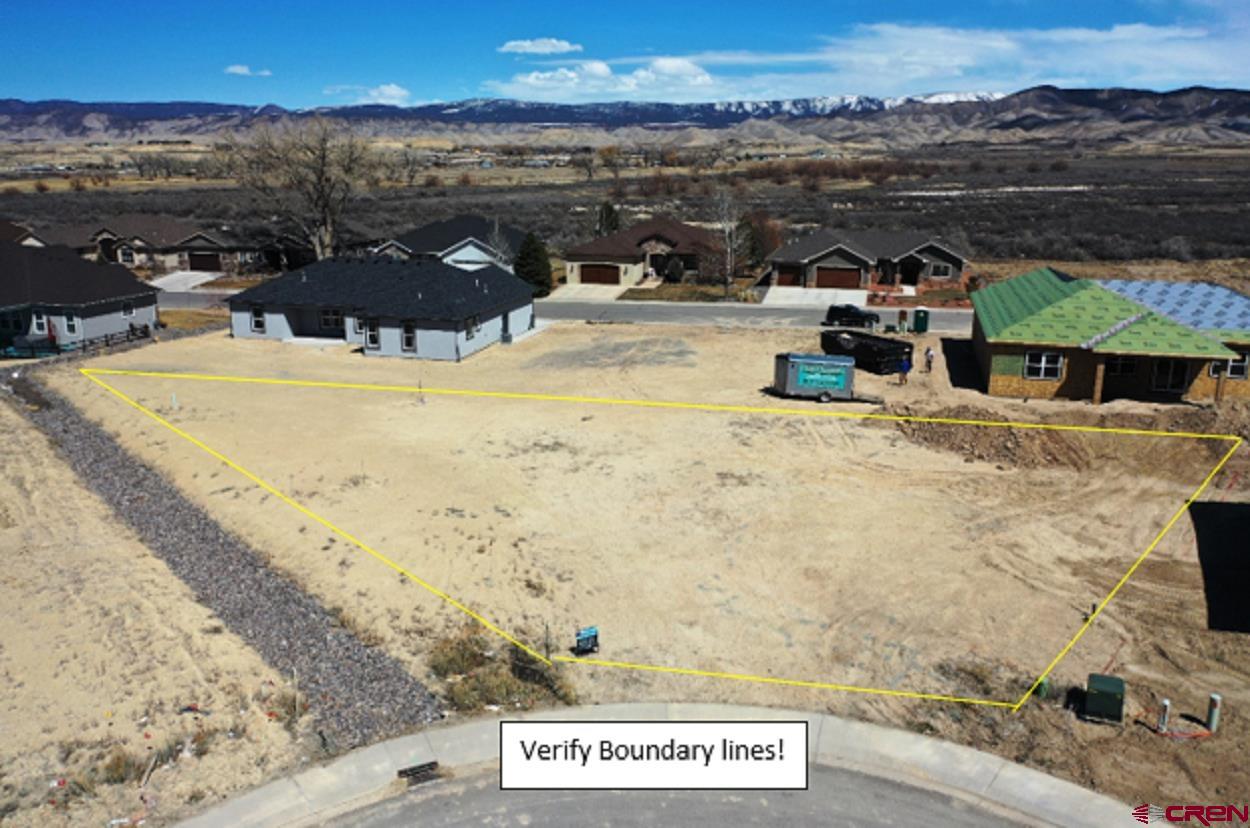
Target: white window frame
[(408, 337), (940, 270), (1154, 377), (373, 335), (333, 317), (1234, 369), (126, 255), (40, 321), (1044, 363), (128, 310), (257, 315), (358, 324), (1121, 366), (471, 326), (71, 323)]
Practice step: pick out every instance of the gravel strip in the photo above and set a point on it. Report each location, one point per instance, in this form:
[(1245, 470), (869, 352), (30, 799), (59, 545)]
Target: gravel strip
[(357, 694)]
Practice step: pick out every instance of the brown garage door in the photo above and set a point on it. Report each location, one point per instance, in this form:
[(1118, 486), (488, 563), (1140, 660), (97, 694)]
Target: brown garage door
[(598, 274), (787, 277), (837, 277), (204, 261)]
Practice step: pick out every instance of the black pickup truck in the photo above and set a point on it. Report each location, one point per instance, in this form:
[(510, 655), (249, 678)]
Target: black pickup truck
[(849, 316)]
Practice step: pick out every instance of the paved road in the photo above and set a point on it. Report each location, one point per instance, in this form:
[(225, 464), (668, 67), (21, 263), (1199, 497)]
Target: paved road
[(947, 320), (835, 797)]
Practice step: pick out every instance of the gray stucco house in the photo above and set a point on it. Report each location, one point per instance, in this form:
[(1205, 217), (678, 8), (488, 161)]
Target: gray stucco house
[(423, 309), (53, 300)]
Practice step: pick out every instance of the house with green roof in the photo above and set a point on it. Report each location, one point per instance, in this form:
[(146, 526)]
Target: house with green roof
[(1045, 334)]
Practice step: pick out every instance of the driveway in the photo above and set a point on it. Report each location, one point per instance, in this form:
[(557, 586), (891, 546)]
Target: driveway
[(797, 297), (185, 280), (586, 293)]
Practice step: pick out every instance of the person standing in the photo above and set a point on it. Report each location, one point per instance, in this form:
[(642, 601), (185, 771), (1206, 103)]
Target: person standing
[(928, 360), (904, 368)]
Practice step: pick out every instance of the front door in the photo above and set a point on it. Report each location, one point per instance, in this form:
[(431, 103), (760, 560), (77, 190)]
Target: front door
[(1171, 376)]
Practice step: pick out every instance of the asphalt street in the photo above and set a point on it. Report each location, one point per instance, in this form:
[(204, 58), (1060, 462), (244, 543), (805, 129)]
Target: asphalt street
[(835, 797)]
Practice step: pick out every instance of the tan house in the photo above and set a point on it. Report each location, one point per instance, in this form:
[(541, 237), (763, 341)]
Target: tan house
[(662, 246), (1046, 334)]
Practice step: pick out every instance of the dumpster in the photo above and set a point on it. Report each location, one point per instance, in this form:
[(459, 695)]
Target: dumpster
[(920, 321), (874, 354), (814, 376)]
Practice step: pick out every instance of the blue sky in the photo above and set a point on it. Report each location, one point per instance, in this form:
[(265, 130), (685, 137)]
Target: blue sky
[(319, 53)]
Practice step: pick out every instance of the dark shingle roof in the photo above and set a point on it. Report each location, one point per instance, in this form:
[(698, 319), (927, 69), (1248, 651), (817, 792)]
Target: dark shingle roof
[(441, 235), (11, 232), (411, 289), (871, 244), (684, 238), (56, 276), (157, 230)]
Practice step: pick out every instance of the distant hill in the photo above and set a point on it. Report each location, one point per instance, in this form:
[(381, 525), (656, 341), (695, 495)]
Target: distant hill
[(1045, 113)]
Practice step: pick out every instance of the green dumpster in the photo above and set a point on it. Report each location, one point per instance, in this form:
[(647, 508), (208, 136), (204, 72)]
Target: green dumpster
[(920, 320)]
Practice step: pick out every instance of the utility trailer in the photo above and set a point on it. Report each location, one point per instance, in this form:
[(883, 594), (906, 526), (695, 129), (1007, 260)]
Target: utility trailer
[(874, 354), (814, 377)]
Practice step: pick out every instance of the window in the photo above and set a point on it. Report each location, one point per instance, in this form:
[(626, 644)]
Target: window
[(1234, 368), (126, 255), (332, 320), (258, 320), (128, 309), (4, 323), (1171, 376), (940, 269), (1121, 366), (1044, 365), (359, 324), (372, 340), (41, 322), (71, 323), (471, 326), (409, 340)]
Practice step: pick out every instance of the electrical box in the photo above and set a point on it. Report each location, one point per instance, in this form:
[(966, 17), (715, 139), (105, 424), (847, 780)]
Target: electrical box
[(1104, 698)]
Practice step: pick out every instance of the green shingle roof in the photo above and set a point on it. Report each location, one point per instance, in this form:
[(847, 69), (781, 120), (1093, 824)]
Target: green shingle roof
[(1046, 307)]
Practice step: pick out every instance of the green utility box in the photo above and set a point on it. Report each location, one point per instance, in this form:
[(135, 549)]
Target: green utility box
[(1104, 698), (920, 320)]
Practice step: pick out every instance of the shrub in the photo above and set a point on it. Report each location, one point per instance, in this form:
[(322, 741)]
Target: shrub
[(41, 187)]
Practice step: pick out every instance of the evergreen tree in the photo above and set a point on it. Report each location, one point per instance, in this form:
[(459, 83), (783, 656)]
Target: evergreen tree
[(534, 265), (607, 220)]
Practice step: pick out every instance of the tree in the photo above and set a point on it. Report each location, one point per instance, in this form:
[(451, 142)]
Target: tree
[(586, 162), (607, 219), (534, 265), (499, 243), (308, 173), (611, 158), (758, 236), (725, 215)]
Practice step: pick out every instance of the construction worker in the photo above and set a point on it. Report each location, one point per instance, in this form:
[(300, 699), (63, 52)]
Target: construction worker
[(928, 360), (904, 368)]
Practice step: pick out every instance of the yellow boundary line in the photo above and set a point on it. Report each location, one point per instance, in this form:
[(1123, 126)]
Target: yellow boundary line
[(94, 373)]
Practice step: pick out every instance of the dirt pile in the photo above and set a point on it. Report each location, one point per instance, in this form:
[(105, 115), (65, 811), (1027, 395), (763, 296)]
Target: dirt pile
[(1080, 450)]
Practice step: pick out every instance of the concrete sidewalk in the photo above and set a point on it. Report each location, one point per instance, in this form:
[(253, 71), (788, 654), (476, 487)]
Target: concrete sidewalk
[(988, 781)]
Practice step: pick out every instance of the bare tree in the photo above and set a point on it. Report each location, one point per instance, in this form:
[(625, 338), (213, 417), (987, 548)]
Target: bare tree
[(308, 172), (725, 213), (407, 167), (586, 162), (612, 159), (499, 243)]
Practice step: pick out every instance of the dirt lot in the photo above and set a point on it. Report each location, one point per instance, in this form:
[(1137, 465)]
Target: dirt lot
[(100, 650), (800, 548)]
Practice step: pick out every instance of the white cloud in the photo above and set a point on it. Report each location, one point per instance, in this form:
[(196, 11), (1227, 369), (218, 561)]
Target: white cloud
[(540, 46), (390, 94), (246, 71), (903, 59)]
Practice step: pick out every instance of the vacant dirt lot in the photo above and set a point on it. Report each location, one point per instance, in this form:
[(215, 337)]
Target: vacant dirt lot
[(803, 548), (100, 649)]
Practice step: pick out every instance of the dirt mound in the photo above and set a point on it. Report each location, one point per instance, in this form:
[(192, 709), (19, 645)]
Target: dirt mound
[(1028, 448)]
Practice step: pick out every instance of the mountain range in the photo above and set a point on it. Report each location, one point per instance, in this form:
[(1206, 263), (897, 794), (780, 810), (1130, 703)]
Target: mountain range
[(1044, 113)]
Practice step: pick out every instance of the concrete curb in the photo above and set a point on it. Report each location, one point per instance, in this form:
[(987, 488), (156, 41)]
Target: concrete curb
[(919, 761)]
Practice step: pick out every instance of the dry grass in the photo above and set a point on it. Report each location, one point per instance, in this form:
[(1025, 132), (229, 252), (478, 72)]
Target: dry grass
[(233, 282), (189, 320), (740, 292)]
